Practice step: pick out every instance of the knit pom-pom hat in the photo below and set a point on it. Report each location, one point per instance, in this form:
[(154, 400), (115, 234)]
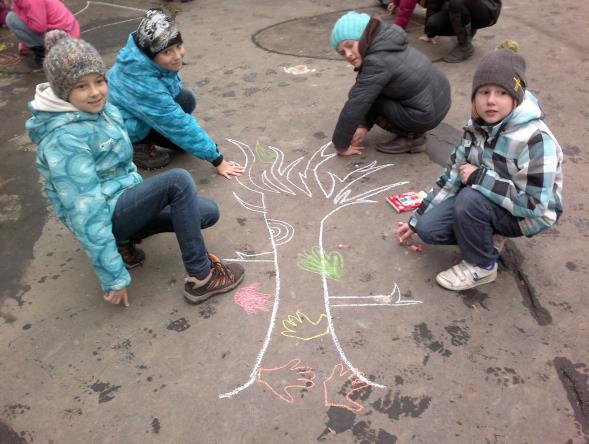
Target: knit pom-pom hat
[(504, 68), (68, 60), (350, 26), (156, 32)]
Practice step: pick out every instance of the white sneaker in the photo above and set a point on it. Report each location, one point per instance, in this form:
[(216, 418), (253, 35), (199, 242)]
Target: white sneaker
[(464, 276)]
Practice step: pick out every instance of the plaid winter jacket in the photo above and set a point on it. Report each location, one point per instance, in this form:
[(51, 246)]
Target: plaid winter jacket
[(519, 164)]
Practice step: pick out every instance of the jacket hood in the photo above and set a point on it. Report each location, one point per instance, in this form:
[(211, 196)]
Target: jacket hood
[(51, 113), (46, 100), (389, 38), (134, 63), (529, 110)]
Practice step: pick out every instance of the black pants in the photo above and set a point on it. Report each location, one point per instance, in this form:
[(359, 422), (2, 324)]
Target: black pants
[(478, 13)]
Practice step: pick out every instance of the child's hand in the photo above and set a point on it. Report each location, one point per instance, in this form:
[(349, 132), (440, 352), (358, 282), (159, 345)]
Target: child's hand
[(425, 38), (117, 297), (466, 169), (229, 169), (351, 151), (404, 232), (391, 8)]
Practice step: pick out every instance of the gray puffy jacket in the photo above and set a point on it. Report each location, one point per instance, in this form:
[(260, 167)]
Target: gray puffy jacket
[(411, 93)]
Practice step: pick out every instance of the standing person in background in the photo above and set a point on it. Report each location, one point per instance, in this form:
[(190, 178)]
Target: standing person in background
[(30, 20), (145, 84), (84, 157), (461, 18), (503, 178), (397, 87)]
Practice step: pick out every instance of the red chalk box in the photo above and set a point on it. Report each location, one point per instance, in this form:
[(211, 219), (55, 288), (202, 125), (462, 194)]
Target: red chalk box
[(406, 201)]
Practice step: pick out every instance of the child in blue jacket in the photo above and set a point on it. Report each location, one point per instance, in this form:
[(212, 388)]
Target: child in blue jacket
[(145, 84), (85, 156), (505, 177)]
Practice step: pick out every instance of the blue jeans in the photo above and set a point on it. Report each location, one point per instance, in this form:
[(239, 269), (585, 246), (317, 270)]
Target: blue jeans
[(187, 101), (22, 32), (468, 219), (165, 203)]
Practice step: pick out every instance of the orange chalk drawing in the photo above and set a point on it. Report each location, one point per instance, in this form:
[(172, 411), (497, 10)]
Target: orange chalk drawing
[(300, 321), (281, 380), (331, 386)]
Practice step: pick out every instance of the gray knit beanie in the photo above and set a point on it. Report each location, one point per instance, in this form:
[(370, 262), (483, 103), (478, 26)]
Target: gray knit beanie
[(504, 68), (156, 32), (68, 60)]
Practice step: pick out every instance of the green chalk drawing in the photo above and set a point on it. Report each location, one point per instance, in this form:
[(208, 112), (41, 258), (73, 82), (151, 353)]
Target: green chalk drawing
[(264, 154), (316, 261)]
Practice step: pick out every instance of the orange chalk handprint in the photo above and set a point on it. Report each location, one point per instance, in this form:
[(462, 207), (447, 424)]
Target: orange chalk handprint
[(340, 377), (280, 380)]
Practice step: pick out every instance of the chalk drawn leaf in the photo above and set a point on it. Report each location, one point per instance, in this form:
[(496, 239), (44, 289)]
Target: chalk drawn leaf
[(300, 326), (252, 300), (265, 155), (280, 380), (318, 261), (339, 379)]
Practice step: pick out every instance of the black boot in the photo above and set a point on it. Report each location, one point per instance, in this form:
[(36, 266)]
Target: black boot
[(38, 56), (464, 49)]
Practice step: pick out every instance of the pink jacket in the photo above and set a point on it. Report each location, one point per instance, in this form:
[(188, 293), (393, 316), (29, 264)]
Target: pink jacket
[(404, 11), (42, 16)]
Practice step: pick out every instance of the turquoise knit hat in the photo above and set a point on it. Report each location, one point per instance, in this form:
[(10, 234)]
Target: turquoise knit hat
[(350, 26)]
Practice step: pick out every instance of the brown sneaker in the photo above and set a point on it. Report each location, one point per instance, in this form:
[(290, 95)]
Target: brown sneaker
[(221, 279), (149, 157), (401, 144), (132, 256)]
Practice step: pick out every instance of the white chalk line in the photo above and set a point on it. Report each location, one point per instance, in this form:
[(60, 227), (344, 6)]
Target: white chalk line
[(88, 3)]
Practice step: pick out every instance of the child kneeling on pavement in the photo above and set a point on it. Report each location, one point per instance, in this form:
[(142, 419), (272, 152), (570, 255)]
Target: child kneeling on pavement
[(85, 157), (503, 178), (145, 84)]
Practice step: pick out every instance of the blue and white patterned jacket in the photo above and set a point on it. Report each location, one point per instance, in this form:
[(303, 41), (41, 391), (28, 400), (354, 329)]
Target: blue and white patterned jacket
[(86, 162), (519, 164), (144, 92)]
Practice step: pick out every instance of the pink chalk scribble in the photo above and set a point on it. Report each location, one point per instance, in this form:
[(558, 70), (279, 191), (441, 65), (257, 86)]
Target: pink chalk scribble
[(252, 300)]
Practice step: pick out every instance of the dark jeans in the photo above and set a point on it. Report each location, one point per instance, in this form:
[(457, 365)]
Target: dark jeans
[(468, 219), (165, 203), (187, 101), (474, 12)]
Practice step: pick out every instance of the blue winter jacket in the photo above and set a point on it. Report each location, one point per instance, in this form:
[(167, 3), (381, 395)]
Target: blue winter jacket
[(144, 92), (86, 162)]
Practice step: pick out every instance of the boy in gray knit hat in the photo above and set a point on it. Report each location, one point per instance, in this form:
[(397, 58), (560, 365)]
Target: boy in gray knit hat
[(503, 178), (85, 158)]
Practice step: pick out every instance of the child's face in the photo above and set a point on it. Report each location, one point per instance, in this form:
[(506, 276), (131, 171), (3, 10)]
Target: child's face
[(89, 94), (348, 49), (492, 103), (171, 58)]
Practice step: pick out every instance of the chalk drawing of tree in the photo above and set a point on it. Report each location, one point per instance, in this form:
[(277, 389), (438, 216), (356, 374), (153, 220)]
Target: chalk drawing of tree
[(280, 191)]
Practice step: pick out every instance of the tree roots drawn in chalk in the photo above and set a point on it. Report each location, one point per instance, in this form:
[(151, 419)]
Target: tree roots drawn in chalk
[(336, 397), (280, 191), (300, 326), (290, 376), (341, 388)]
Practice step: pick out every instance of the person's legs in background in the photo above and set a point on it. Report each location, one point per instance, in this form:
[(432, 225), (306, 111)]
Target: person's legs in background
[(25, 35), (460, 19)]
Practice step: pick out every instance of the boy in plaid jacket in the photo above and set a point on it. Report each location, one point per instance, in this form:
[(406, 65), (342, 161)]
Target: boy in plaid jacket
[(504, 177)]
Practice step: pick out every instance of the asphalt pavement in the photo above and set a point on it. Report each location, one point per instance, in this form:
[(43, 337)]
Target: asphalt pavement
[(359, 345)]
